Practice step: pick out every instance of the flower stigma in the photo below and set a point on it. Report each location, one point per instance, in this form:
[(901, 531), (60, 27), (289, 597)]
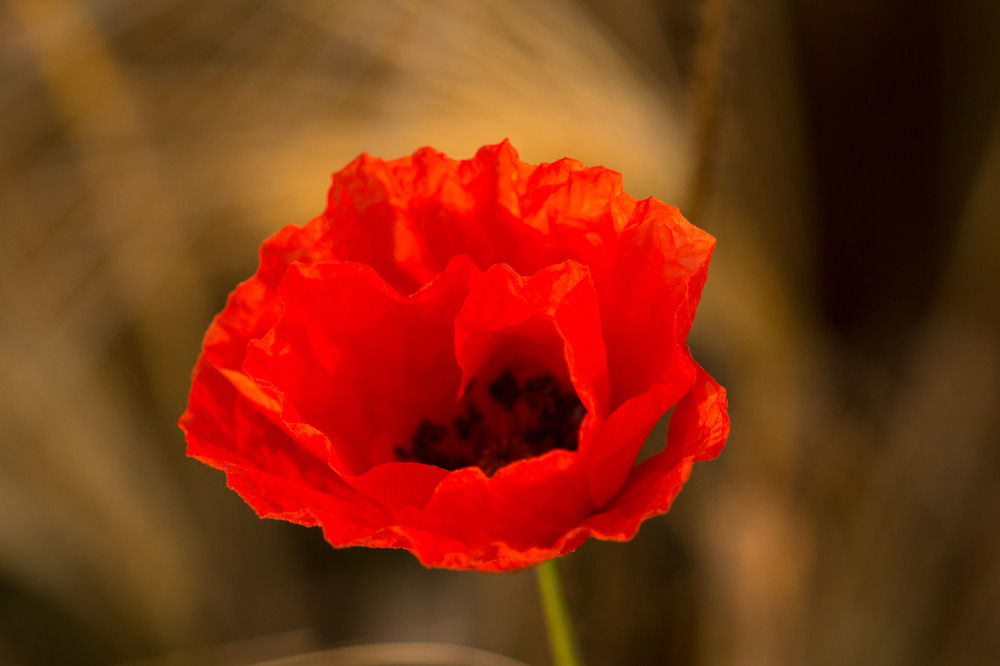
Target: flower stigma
[(508, 420)]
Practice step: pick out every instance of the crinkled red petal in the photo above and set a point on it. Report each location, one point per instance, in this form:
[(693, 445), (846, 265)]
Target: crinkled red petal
[(558, 304), (649, 298), (698, 430), (524, 506), (273, 473), (408, 217), (354, 360), (617, 444)]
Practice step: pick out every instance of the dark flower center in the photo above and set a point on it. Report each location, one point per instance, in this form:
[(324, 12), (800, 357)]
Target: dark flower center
[(508, 421)]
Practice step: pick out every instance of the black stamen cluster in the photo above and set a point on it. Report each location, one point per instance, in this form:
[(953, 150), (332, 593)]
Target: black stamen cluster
[(543, 417), (503, 390), (559, 414)]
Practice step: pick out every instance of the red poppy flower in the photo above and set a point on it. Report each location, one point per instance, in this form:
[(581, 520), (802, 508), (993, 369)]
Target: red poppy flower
[(463, 359)]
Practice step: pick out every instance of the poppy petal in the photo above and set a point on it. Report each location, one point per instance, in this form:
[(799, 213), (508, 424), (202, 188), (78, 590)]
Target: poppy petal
[(648, 302), (272, 472), (525, 505), (698, 429), (368, 364), (554, 308)]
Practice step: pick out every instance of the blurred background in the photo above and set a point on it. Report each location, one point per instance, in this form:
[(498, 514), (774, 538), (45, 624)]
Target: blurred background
[(845, 154)]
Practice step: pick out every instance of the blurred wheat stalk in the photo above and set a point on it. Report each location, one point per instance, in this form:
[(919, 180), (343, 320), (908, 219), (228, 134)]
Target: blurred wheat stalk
[(148, 147)]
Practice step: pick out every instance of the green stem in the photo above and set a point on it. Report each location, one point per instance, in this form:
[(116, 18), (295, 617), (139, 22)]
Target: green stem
[(562, 638)]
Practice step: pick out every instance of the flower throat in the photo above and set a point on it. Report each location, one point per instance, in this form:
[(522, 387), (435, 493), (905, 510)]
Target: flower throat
[(508, 421)]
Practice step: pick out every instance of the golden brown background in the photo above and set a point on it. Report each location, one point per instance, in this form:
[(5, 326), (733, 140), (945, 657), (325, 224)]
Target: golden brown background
[(845, 154)]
